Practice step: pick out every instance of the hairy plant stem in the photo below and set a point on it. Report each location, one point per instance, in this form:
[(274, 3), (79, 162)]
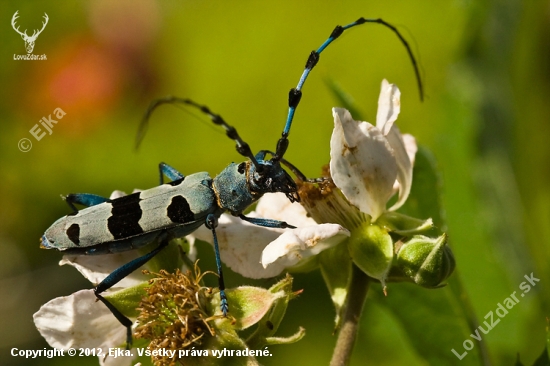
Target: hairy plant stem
[(357, 293)]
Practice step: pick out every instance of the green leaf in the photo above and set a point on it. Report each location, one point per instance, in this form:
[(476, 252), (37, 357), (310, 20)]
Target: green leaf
[(544, 358), (441, 317), (345, 100), (425, 198), (434, 321)]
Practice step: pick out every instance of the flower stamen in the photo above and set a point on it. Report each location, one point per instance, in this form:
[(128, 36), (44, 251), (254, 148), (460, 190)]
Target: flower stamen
[(325, 203), (172, 315)]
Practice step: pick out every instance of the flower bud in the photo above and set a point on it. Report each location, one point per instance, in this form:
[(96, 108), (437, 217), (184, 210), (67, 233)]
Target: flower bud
[(427, 261)]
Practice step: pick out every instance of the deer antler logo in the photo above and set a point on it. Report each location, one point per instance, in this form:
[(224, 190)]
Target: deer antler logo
[(29, 40)]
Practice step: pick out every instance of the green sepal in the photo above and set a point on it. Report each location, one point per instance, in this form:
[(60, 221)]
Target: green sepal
[(249, 304), (371, 249), (305, 265), (335, 266), (127, 300), (269, 324), (301, 333), (404, 225)]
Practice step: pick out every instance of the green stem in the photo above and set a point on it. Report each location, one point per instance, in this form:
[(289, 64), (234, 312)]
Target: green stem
[(357, 293)]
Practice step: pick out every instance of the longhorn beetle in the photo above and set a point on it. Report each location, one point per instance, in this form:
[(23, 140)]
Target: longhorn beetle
[(177, 208)]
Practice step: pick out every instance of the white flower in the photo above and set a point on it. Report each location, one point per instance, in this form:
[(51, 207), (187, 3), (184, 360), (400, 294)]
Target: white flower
[(260, 252), (368, 165), (368, 162), (78, 320)]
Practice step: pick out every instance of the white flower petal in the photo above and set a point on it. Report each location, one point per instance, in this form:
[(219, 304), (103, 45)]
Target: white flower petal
[(277, 206), (117, 194), (241, 244), (389, 106), (404, 165), (192, 253), (96, 267), (410, 146), (362, 163), (79, 321), (301, 243)]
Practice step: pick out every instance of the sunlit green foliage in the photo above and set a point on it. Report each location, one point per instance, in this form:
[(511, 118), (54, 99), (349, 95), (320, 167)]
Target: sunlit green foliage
[(485, 67)]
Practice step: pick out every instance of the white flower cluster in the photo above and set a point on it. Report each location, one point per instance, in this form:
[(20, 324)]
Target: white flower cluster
[(369, 164)]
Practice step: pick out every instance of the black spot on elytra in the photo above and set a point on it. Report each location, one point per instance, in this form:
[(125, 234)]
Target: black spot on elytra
[(176, 182), (125, 216), (179, 211), (241, 168), (73, 233)]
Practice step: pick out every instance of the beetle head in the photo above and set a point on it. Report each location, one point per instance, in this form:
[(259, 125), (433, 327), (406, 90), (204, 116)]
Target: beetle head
[(270, 177)]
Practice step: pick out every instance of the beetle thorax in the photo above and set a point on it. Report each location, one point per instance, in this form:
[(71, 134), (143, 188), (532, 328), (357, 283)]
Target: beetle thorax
[(232, 190)]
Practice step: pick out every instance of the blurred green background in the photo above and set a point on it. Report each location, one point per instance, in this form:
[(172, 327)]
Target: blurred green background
[(486, 69)]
